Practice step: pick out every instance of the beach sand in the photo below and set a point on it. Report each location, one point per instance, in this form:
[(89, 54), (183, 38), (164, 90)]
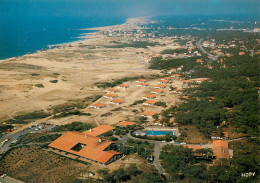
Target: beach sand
[(76, 66)]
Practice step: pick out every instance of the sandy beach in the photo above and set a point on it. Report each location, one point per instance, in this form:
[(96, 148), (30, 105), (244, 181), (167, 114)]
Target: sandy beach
[(76, 66)]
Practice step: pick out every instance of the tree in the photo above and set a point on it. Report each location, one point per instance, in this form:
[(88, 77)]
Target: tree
[(168, 137), (119, 175), (103, 173), (132, 170)]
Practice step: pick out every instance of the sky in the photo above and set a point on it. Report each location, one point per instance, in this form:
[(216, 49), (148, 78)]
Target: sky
[(128, 8)]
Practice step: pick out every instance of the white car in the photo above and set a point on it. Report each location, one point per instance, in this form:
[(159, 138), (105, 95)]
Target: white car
[(3, 176)]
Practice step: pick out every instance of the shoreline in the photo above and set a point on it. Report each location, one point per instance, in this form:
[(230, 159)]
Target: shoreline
[(83, 37), (76, 66)]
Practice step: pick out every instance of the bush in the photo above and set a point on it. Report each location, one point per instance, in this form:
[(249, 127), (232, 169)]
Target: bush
[(54, 81), (74, 126), (39, 85), (23, 119)]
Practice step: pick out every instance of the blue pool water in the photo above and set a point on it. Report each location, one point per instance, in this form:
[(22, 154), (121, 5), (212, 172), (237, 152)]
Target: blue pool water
[(158, 133)]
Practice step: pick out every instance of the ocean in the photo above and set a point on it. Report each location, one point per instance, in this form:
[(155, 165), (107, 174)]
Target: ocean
[(22, 32)]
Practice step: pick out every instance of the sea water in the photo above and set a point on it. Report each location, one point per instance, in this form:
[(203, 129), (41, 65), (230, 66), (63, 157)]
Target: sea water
[(22, 31)]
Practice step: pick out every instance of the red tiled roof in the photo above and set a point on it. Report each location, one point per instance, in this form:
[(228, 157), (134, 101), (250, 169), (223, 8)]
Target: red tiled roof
[(143, 84), (185, 97), (93, 149), (99, 130), (167, 78), (126, 123), (99, 105), (220, 149), (149, 113), (176, 75), (160, 86), (112, 90), (141, 80), (185, 81), (226, 134), (157, 91), (179, 89), (163, 81), (110, 95), (123, 86), (150, 102), (117, 101), (149, 96)]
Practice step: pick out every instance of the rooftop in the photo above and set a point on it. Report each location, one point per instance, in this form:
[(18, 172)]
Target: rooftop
[(112, 90), (160, 86), (220, 149), (123, 86), (149, 96), (99, 130), (157, 91), (110, 95), (117, 101), (149, 113), (150, 102), (99, 105), (141, 80), (89, 146)]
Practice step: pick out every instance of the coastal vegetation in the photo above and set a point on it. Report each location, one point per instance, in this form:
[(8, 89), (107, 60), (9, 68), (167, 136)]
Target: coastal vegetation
[(37, 138), (74, 126), (116, 82), (135, 44), (54, 81), (172, 51), (69, 113), (25, 118), (39, 85), (188, 64)]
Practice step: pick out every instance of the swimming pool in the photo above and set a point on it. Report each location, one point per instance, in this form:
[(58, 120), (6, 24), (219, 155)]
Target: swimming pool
[(158, 133)]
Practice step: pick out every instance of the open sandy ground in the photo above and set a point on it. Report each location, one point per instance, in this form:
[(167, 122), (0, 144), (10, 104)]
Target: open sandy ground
[(78, 66)]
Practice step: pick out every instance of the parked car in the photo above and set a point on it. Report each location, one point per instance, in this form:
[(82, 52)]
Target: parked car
[(3, 176)]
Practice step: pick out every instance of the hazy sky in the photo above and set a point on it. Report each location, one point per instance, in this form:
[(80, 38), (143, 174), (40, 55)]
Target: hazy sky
[(128, 8)]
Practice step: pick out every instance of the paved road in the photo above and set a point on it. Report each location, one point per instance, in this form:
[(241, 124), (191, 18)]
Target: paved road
[(198, 44), (15, 136), (157, 150)]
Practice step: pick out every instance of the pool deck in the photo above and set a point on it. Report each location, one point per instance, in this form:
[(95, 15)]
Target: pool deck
[(160, 128)]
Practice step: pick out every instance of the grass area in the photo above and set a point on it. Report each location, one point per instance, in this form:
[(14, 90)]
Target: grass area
[(34, 164), (24, 119), (74, 104), (54, 81), (138, 102), (172, 51), (69, 113), (116, 82), (39, 85), (190, 134), (144, 149), (19, 66), (38, 138), (34, 74)]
